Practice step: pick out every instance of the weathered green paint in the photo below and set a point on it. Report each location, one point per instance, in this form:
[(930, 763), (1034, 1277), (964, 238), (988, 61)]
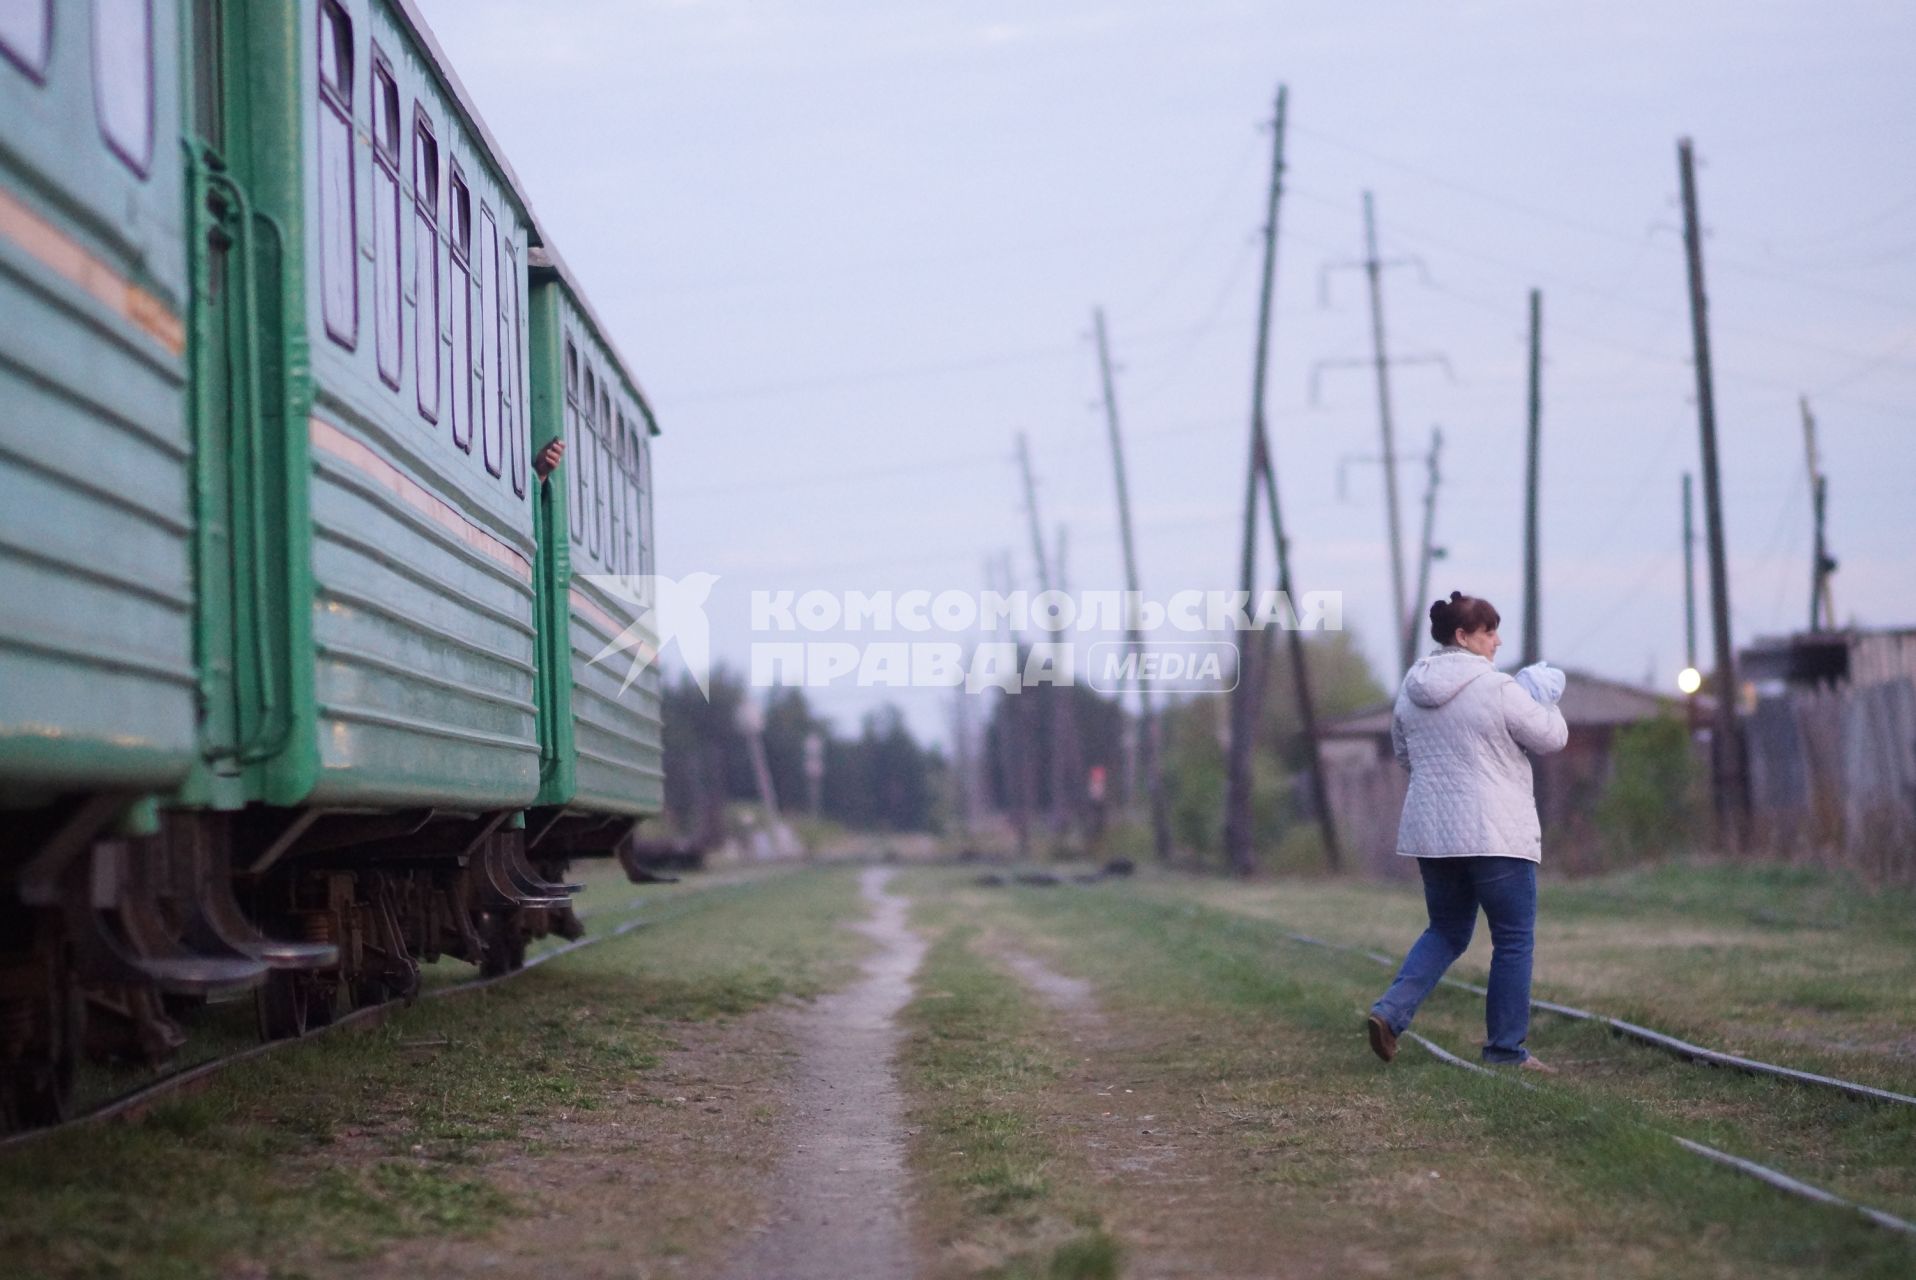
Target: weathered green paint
[(606, 743), (201, 601), (422, 620), (251, 393), (96, 672), (558, 773)]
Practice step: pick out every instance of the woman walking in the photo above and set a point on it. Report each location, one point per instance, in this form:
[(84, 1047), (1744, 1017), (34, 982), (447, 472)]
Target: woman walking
[(1470, 820)]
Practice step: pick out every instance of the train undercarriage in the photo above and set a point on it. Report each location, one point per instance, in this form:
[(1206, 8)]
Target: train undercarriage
[(110, 939)]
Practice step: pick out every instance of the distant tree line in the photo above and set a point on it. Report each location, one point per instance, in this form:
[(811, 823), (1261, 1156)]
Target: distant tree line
[(882, 779)]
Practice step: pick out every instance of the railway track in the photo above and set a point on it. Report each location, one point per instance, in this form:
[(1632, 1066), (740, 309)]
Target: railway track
[(1648, 1036), (1688, 1052), (1740, 1164), (187, 1081)]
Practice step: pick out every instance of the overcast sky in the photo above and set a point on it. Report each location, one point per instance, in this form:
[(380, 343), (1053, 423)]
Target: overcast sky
[(853, 247)]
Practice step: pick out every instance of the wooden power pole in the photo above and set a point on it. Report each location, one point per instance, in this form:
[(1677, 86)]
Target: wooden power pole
[(1014, 747), (1066, 774), (1728, 772), (1374, 270), (1822, 603), (1152, 740), (1427, 548), (1532, 595), (1240, 840)]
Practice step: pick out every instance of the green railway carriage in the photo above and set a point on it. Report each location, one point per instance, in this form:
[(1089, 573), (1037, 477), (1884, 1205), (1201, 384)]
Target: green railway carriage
[(295, 643), (605, 756), (422, 537), (97, 680)]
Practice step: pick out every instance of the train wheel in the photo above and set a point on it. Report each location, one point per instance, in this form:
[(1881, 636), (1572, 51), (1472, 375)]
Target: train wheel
[(41, 1015), (291, 1003)]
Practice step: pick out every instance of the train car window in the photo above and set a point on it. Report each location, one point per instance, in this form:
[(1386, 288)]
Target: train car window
[(26, 34), (633, 549), (425, 262), (459, 216), (386, 266), (646, 545), (615, 540), (123, 78), (338, 232), (631, 493), (603, 497), (576, 493), (589, 495), (492, 319), (518, 446)]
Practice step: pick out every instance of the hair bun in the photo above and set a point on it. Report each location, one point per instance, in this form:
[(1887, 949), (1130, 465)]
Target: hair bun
[(1461, 613)]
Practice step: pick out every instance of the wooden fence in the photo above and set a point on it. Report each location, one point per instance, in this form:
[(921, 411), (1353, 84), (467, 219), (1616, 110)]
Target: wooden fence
[(1833, 777)]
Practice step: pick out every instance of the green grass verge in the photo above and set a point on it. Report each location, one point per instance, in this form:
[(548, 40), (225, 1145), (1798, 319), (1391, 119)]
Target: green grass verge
[(332, 1148), (1787, 964), (1314, 1115)]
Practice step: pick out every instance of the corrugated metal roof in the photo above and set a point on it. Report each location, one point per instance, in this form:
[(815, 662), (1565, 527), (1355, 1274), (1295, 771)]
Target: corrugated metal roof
[(1589, 701)]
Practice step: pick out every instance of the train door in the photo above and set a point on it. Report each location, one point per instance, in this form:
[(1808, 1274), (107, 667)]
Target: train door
[(239, 330)]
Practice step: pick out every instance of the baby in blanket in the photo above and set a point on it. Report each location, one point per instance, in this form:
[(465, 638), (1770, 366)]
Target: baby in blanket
[(1543, 682)]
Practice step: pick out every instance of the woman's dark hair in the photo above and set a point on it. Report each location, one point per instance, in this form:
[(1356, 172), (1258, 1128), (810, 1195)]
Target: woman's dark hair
[(1463, 613)]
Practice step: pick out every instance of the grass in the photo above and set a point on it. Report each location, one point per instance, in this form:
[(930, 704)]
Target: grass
[(1336, 1157), (325, 1152), (1000, 1195), (1785, 964)]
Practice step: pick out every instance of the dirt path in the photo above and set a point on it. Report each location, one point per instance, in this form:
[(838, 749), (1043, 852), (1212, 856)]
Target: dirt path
[(838, 1209)]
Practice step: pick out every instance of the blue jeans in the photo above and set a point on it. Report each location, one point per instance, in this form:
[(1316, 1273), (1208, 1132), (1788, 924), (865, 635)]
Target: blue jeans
[(1506, 888)]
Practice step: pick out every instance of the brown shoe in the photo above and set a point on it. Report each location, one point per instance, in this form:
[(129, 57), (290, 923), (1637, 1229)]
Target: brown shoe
[(1383, 1041), (1534, 1063)]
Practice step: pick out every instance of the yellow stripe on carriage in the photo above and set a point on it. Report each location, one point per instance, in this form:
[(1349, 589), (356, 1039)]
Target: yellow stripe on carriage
[(331, 440), (67, 258)]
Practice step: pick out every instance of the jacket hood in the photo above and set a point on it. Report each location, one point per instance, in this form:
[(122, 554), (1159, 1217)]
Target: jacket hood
[(1435, 680)]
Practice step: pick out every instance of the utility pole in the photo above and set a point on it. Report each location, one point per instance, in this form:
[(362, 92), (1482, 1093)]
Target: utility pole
[(961, 759), (1379, 363), (1532, 595), (1822, 604), (1726, 740), (1374, 269), (1240, 841), (1150, 741), (1015, 750), (1428, 550), (751, 724), (1063, 717), (1300, 668)]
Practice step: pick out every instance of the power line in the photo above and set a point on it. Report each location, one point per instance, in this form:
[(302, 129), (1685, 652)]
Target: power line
[(1592, 228)]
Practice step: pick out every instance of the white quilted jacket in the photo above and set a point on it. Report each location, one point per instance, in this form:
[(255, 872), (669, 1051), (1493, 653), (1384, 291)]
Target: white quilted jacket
[(1458, 727)]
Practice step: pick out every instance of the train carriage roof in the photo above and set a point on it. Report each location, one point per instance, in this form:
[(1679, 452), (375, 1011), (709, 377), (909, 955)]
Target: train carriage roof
[(541, 254)]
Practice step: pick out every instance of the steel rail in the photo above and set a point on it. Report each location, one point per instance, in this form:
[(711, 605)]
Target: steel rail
[(1646, 1035), (1749, 1168)]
